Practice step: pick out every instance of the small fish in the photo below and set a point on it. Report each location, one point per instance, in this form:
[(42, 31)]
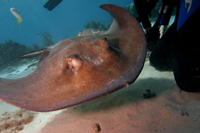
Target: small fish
[(17, 15)]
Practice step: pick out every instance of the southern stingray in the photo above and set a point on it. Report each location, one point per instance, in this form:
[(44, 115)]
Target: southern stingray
[(90, 65)]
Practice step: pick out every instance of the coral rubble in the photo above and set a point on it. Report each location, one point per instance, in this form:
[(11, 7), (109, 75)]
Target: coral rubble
[(12, 122), (10, 49), (46, 38)]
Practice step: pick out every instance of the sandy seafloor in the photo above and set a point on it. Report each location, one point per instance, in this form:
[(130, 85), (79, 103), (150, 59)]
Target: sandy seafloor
[(124, 111)]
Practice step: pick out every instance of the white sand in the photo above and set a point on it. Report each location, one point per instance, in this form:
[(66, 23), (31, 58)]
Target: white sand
[(12, 72), (39, 122), (126, 111)]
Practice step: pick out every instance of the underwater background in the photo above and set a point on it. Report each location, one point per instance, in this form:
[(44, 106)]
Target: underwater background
[(64, 21), (41, 27)]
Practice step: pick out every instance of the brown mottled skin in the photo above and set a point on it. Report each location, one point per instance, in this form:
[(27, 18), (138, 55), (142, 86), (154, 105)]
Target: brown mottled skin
[(82, 68)]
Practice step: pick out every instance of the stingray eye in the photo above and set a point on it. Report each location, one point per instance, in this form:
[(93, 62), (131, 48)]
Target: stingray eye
[(73, 63)]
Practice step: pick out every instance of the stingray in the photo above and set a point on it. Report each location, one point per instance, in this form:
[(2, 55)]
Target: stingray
[(90, 65)]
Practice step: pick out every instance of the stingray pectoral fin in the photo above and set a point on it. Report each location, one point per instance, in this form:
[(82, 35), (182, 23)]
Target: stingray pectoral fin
[(21, 95), (127, 35)]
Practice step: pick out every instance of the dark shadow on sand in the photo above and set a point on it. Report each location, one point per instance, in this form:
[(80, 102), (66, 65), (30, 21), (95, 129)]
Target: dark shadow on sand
[(132, 94)]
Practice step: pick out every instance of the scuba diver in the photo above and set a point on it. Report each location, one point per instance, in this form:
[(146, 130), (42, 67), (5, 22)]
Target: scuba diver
[(161, 25), (178, 49)]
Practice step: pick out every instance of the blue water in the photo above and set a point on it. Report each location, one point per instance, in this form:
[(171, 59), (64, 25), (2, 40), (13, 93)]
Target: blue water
[(67, 19)]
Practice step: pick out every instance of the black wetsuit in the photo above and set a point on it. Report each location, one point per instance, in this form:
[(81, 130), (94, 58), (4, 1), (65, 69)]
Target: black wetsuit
[(144, 8), (179, 51)]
